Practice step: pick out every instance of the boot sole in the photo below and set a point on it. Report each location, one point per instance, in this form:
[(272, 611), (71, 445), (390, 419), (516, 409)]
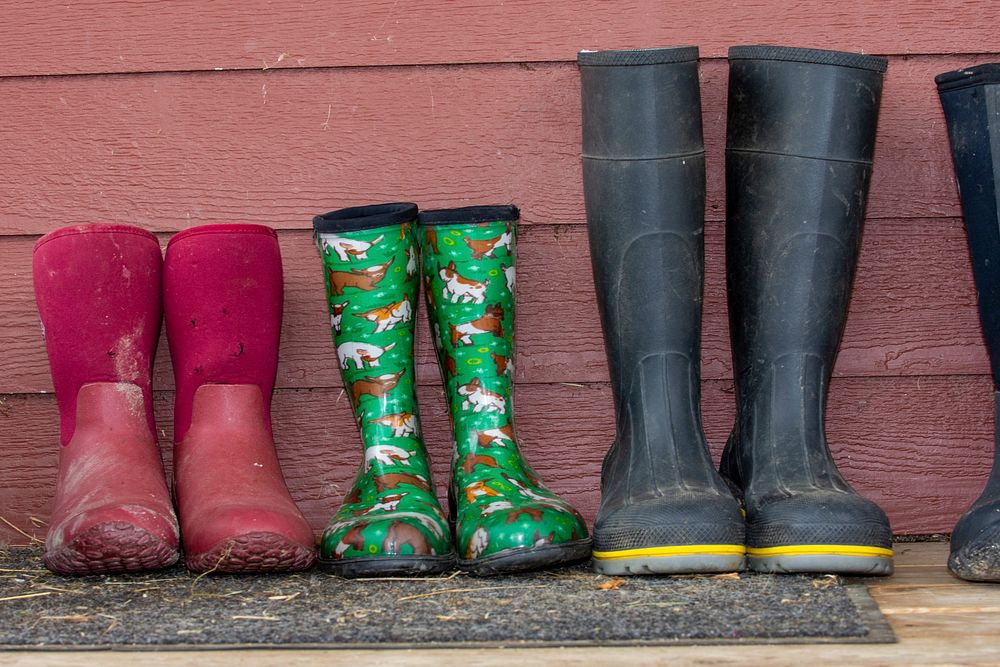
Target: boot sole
[(825, 558), (112, 548), (253, 553), (387, 566), (676, 559), (525, 560)]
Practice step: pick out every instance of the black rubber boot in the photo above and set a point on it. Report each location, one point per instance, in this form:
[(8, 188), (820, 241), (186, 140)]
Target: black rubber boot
[(971, 101), (799, 145), (664, 508)]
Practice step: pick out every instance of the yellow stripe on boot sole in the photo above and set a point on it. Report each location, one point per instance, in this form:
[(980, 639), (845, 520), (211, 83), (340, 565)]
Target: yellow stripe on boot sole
[(821, 550), (683, 550)]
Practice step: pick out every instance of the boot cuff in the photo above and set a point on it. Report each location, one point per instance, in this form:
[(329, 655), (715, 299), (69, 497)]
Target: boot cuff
[(469, 215), (817, 56), (358, 218), (228, 228), (94, 228), (968, 77), (626, 57)]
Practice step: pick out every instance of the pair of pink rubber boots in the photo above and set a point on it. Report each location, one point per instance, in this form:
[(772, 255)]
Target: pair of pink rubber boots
[(102, 291)]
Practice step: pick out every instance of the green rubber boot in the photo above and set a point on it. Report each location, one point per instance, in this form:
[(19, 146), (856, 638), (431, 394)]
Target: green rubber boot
[(390, 522), (505, 520)]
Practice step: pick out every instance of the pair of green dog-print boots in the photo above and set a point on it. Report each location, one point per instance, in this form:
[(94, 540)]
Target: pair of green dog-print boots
[(502, 519)]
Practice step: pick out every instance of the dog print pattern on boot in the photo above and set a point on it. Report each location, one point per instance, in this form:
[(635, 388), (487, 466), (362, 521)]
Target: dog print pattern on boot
[(498, 503), (391, 510)]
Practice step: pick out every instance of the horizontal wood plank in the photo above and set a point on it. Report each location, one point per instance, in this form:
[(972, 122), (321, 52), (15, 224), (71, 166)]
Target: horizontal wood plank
[(176, 150), (963, 641), (920, 447), (913, 311), (913, 558), (49, 37), (958, 598)]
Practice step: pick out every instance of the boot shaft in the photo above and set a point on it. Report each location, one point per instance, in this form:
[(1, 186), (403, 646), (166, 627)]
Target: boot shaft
[(222, 292), (640, 104), (799, 148), (98, 293), (971, 102), (644, 188), (370, 269), (803, 102), (800, 141), (468, 258), (645, 225)]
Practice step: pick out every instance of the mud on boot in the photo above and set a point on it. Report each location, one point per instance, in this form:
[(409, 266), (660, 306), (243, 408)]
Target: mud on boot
[(390, 522), (505, 519)]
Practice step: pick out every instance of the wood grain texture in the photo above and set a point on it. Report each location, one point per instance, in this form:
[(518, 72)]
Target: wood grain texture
[(968, 640), (913, 311), (50, 37), (920, 447), (175, 150)]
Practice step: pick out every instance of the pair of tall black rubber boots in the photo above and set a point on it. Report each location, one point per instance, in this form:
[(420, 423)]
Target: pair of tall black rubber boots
[(799, 148)]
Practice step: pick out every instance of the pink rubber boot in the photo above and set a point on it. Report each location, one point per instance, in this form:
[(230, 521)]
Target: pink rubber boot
[(98, 294), (222, 290)]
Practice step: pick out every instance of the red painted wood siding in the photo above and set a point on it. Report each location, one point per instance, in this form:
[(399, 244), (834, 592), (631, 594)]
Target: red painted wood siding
[(115, 111), (169, 151), (55, 37)]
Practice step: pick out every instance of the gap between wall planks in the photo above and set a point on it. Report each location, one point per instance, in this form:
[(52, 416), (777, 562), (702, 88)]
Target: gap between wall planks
[(50, 37), (170, 151), (919, 446), (913, 311)]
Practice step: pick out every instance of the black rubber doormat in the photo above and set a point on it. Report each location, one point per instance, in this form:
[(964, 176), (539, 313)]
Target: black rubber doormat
[(569, 607)]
